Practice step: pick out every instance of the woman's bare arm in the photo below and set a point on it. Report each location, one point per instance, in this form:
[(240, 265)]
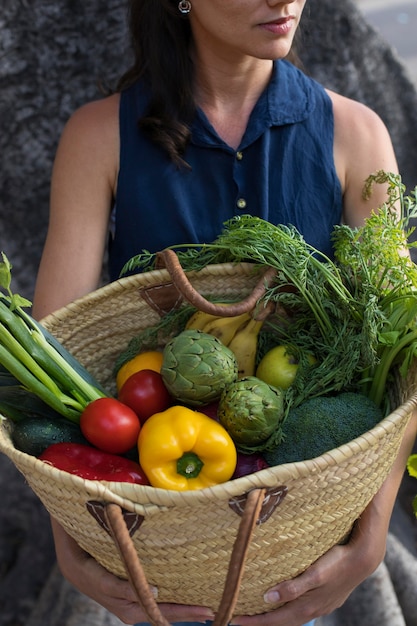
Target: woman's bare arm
[(82, 190)]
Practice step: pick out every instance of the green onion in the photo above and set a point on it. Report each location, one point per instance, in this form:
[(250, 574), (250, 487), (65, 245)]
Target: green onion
[(38, 361)]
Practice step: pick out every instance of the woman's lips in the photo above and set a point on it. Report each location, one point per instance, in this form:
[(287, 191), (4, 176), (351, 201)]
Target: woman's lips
[(280, 26)]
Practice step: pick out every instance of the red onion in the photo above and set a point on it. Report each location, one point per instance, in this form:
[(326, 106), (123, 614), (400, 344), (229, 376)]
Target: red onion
[(249, 464), (210, 410)]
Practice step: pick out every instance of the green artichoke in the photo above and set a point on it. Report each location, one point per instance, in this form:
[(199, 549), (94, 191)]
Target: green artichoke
[(197, 367), (252, 412)]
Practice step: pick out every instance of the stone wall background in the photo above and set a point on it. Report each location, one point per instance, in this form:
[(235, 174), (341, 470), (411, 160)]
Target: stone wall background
[(53, 55)]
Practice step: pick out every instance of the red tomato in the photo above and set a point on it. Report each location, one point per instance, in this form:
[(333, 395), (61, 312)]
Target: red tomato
[(145, 393), (110, 425)]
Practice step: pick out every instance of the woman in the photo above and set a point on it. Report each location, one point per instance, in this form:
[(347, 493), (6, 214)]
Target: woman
[(211, 122)]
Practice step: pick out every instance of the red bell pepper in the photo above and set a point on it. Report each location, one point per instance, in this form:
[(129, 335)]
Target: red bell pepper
[(93, 464)]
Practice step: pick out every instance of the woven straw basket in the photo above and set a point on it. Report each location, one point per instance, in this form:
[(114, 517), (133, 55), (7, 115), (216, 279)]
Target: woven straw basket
[(186, 541)]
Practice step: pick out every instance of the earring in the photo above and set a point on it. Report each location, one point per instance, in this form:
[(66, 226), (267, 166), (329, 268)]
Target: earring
[(184, 6)]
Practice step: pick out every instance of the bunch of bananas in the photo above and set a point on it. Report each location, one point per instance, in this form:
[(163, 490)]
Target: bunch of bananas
[(239, 334)]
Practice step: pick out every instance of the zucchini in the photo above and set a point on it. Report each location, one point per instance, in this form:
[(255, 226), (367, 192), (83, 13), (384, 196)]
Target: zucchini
[(33, 435)]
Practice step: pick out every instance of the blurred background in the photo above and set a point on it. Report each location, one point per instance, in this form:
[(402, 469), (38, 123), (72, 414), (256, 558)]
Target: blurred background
[(396, 20)]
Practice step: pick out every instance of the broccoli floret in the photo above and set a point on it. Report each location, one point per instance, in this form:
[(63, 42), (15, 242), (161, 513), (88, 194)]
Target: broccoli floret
[(321, 424)]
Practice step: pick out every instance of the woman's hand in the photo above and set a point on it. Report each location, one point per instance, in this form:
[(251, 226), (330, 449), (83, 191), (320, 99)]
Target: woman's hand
[(114, 594), (323, 587)]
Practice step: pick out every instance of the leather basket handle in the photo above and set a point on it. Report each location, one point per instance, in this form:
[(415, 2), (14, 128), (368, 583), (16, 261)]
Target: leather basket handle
[(169, 260), (137, 578)]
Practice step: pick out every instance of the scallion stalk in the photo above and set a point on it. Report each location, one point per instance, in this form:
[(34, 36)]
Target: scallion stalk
[(38, 361), (32, 383)]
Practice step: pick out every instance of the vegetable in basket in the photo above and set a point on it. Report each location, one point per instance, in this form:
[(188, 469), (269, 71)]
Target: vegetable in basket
[(252, 412), (37, 362), (249, 464), (92, 464), (183, 449), (197, 367), (321, 424), (149, 360), (32, 435), (145, 393), (17, 402), (110, 425)]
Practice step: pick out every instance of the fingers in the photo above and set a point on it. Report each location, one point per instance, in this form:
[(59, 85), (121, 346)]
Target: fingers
[(118, 597), (131, 613), (322, 588), (114, 594)]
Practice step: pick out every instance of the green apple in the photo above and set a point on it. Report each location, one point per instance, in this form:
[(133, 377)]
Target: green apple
[(278, 367)]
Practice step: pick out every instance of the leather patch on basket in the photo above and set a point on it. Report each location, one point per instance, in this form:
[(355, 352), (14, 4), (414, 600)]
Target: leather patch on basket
[(273, 498), (162, 298), (132, 520)]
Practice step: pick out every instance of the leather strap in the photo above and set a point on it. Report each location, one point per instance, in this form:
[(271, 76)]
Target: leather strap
[(238, 557), (170, 261), (134, 570)]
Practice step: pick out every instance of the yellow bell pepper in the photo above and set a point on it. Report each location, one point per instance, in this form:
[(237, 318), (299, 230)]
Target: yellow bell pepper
[(183, 449)]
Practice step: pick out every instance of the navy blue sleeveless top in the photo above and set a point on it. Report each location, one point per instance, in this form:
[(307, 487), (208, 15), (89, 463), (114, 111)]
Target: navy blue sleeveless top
[(283, 172)]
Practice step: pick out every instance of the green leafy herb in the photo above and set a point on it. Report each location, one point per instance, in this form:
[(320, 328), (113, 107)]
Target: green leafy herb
[(375, 265)]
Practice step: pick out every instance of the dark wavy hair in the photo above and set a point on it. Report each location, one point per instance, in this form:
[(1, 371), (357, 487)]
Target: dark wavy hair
[(160, 40)]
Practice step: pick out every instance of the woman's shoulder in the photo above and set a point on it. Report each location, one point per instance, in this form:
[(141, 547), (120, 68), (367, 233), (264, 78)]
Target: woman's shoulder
[(362, 146), (92, 132), (360, 133), (90, 143), (353, 116), (96, 116)]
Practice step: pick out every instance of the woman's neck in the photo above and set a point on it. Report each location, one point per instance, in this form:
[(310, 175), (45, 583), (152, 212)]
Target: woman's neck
[(228, 93)]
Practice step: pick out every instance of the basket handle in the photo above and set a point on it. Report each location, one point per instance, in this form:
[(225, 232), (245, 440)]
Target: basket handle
[(114, 518), (136, 575), (231, 588), (169, 259)]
